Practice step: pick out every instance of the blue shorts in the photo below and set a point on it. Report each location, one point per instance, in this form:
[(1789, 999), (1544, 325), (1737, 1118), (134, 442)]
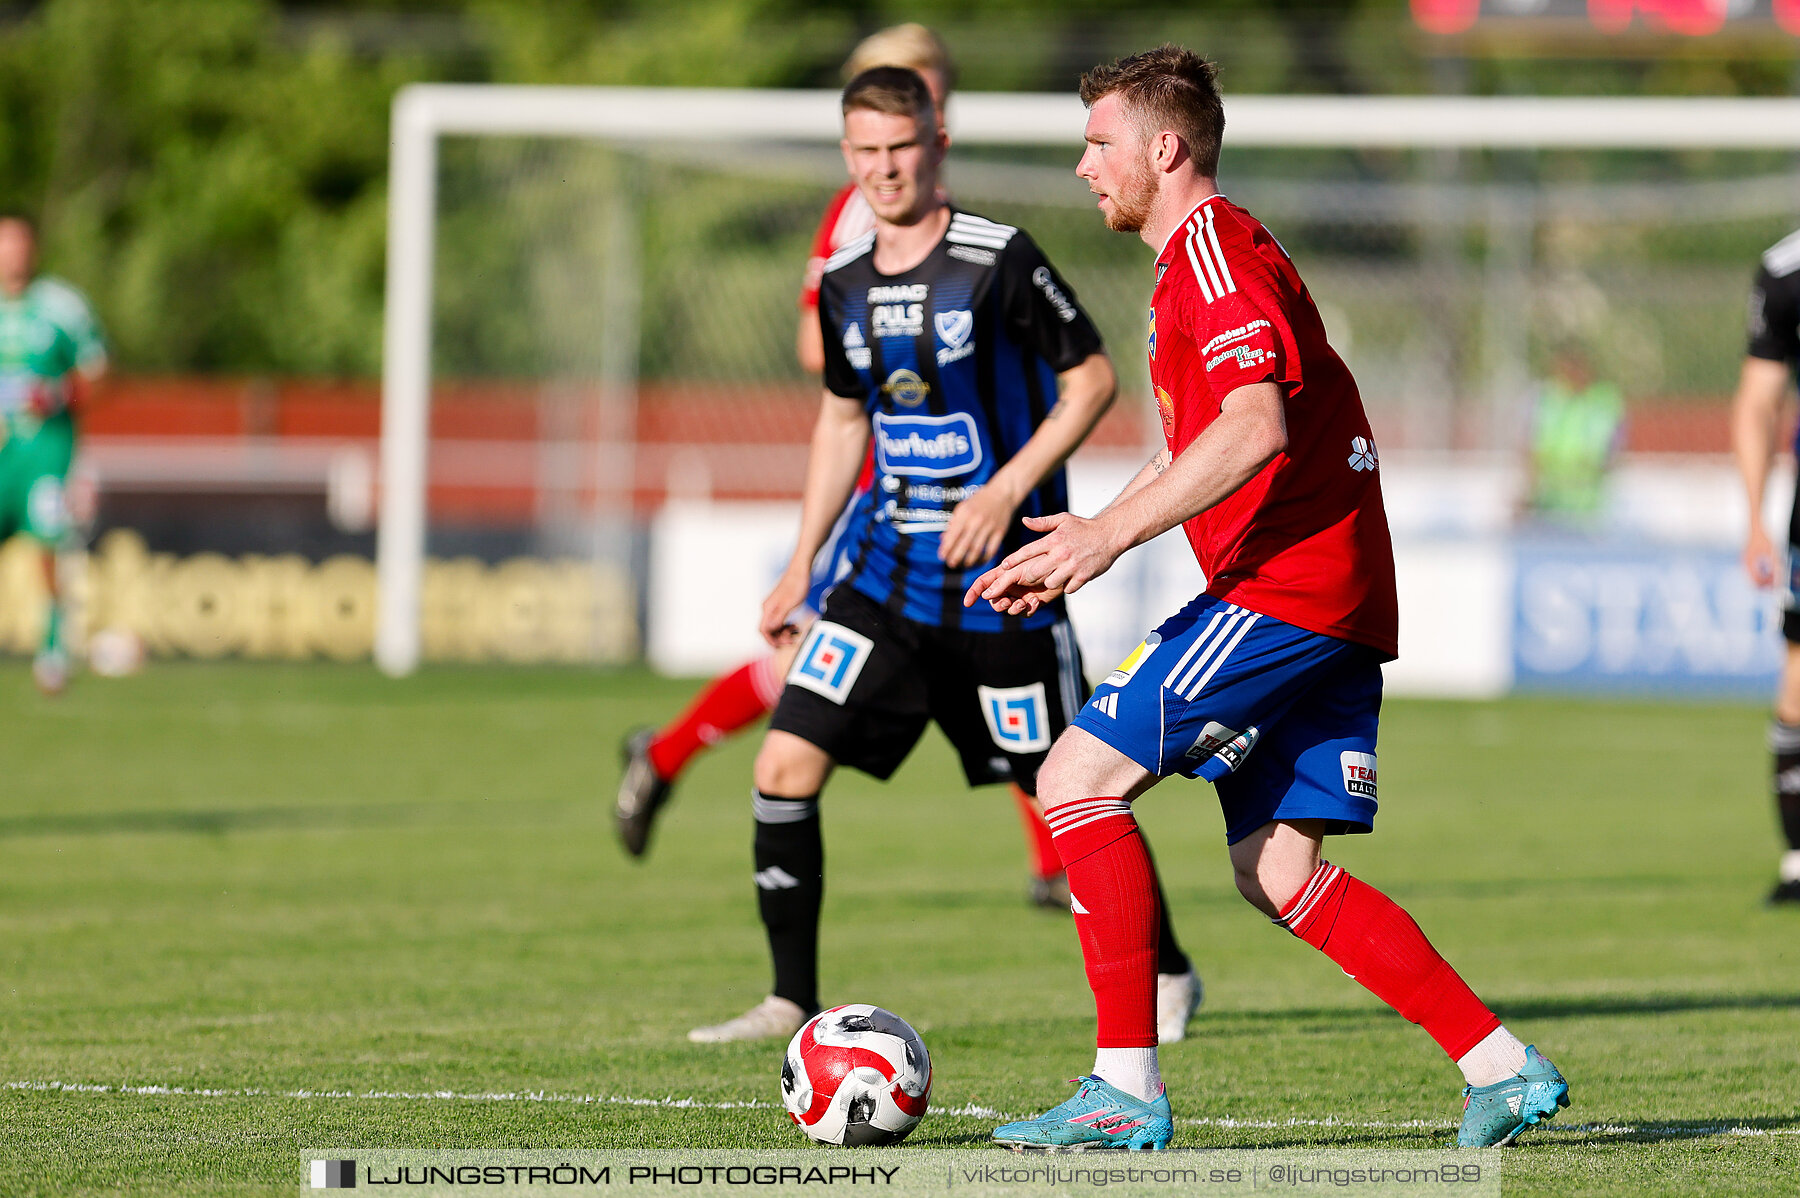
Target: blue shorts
[(1282, 721)]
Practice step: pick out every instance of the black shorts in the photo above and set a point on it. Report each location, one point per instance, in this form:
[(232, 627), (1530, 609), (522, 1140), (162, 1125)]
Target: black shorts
[(1790, 589), (866, 682)]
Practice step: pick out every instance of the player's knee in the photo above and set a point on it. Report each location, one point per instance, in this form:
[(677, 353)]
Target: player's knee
[(1252, 885), (788, 766)]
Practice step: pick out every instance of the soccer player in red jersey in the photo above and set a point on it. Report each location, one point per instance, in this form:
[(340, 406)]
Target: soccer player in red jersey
[(745, 694), (1268, 683)]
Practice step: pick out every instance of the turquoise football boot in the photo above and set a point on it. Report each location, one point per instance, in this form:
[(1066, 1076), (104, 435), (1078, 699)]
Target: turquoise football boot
[(1099, 1116), (1494, 1115)]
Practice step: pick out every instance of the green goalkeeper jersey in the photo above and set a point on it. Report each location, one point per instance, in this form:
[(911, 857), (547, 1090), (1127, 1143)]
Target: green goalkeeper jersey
[(46, 332)]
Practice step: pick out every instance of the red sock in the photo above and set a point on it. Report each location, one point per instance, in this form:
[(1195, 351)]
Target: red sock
[(1045, 863), (1376, 942), (1113, 886), (730, 702)]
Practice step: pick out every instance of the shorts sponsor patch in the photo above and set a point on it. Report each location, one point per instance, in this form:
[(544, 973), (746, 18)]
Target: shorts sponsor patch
[(1226, 744), (1137, 657), (830, 660), (1359, 773), (1017, 717)]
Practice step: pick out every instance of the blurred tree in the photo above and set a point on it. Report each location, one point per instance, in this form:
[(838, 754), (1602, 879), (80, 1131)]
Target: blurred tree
[(213, 172)]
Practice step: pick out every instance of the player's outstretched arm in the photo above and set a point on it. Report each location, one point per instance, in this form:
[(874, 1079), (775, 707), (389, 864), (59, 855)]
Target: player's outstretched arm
[(980, 523), (1755, 419), (840, 441), (1251, 430)]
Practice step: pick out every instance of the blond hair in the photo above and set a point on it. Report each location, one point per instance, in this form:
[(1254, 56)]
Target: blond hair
[(910, 45)]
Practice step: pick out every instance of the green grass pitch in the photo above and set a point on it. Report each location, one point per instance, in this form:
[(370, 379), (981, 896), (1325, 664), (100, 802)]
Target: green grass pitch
[(258, 909)]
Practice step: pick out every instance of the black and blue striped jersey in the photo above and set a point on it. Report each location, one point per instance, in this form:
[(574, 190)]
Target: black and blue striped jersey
[(956, 361), (1774, 316)]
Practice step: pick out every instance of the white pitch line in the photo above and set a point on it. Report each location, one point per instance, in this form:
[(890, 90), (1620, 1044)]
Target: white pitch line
[(969, 1110)]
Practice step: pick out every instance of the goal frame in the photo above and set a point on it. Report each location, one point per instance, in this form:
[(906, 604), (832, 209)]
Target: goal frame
[(424, 113)]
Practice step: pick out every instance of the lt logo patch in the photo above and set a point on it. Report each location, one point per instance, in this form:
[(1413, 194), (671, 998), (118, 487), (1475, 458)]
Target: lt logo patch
[(830, 660), (1017, 717)]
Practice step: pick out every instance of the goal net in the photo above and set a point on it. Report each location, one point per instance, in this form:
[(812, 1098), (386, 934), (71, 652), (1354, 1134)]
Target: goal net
[(591, 321)]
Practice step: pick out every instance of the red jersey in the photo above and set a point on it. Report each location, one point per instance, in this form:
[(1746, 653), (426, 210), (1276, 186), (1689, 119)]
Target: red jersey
[(1305, 540), (847, 217)]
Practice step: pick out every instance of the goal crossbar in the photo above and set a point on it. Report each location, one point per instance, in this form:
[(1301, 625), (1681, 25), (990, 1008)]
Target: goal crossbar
[(424, 113)]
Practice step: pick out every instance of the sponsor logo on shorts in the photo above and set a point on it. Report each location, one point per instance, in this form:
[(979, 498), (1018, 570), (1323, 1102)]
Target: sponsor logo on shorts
[(1363, 455), (1359, 773), (927, 446), (1046, 283), (830, 660), (1212, 738), (1137, 657), (1017, 717)]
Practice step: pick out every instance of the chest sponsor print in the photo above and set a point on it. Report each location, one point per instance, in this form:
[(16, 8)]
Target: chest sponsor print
[(927, 446)]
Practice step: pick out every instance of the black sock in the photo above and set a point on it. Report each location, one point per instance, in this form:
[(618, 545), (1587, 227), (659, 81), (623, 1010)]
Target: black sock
[(1784, 743), (790, 885)]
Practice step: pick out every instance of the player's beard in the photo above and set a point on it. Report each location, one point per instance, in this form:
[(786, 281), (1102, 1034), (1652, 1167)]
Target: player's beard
[(1133, 199)]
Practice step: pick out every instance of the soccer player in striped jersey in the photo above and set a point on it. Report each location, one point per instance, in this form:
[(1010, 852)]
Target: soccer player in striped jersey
[(1763, 384), (1268, 683), (947, 338), (737, 699)]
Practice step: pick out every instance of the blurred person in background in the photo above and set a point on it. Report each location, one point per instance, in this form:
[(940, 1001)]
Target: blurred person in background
[(1763, 385), (51, 351), (1577, 427), (738, 698)]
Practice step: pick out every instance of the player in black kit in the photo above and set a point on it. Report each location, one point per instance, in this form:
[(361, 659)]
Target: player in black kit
[(947, 338), (1763, 383)]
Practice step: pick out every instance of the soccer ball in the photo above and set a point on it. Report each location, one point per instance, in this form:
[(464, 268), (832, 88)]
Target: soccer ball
[(856, 1074)]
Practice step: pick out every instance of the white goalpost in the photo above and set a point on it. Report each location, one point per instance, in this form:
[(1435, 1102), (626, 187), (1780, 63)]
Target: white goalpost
[(424, 115)]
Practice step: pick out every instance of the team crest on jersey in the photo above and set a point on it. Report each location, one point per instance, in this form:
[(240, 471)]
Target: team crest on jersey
[(927, 446), (1359, 773), (1017, 717), (1128, 668), (953, 329), (830, 660)]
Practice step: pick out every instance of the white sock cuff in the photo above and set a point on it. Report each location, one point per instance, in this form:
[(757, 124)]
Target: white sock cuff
[(1066, 817), (782, 811)]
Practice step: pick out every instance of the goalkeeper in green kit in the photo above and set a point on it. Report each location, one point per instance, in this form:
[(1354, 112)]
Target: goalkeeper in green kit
[(50, 350)]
